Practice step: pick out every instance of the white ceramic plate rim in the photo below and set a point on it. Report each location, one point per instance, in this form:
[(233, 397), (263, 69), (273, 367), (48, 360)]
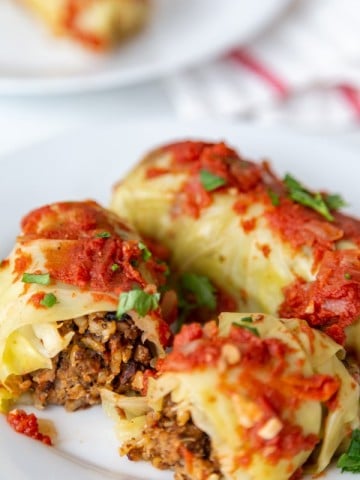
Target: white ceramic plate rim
[(103, 79), (86, 164)]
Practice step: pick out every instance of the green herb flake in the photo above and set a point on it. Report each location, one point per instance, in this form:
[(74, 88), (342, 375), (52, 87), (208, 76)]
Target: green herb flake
[(39, 278), (350, 461), (49, 300), (103, 235), (210, 181), (146, 254), (247, 319), (253, 330), (347, 276), (137, 300), (334, 201), (299, 194), (274, 197), (114, 267), (202, 289)]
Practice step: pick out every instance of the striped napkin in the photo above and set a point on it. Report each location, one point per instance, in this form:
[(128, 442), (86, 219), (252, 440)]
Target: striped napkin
[(305, 71)]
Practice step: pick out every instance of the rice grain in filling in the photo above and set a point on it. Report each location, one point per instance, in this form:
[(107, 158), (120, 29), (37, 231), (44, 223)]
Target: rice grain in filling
[(171, 442), (104, 352)]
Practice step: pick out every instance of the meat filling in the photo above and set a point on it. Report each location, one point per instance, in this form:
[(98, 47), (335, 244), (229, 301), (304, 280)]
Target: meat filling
[(171, 441), (104, 352)]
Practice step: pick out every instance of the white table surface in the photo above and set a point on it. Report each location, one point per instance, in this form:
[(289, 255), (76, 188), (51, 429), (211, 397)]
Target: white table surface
[(25, 120)]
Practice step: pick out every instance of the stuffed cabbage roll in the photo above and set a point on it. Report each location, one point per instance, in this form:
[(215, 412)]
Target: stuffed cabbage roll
[(251, 399), (97, 24), (271, 244), (79, 307)]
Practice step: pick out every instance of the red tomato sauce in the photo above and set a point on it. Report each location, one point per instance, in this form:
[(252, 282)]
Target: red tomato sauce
[(263, 375), (92, 246), (225, 302), (266, 249), (22, 262), (332, 301), (206, 350), (153, 172), (350, 226), (159, 250), (70, 221), (88, 264), (186, 152), (83, 258), (28, 425), (301, 226), (295, 223), (165, 335), (248, 225), (4, 263), (36, 298), (286, 445), (209, 348), (73, 9), (191, 199), (217, 159)]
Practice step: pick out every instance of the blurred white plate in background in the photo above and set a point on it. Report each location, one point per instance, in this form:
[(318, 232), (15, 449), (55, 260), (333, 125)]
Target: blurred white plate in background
[(180, 33)]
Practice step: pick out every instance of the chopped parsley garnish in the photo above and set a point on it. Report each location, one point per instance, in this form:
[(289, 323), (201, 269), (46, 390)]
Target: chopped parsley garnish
[(334, 201), (350, 461), (103, 235), (247, 319), (194, 291), (114, 267), (253, 330), (49, 300), (39, 278), (299, 194), (210, 181), (202, 289), (347, 276), (146, 254), (137, 300), (274, 197)]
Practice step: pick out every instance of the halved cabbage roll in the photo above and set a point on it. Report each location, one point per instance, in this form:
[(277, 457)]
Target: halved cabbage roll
[(255, 398), (79, 307), (97, 24), (273, 245)]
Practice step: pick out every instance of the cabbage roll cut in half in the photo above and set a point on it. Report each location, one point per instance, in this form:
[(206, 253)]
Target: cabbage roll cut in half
[(271, 244), (79, 308), (97, 24), (255, 398)]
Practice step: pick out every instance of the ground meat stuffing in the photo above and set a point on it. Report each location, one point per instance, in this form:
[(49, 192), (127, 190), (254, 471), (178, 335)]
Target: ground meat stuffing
[(104, 352), (173, 442)]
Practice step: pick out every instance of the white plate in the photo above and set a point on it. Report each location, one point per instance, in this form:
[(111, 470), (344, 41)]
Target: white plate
[(181, 33), (86, 164)]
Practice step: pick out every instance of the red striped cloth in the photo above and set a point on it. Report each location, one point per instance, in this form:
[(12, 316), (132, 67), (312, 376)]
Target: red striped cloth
[(304, 71)]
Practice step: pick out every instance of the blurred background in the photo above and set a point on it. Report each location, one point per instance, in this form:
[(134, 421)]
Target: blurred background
[(292, 63)]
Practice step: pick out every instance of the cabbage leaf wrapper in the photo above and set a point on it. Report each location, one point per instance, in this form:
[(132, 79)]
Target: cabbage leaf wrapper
[(271, 244), (60, 335), (255, 397)]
